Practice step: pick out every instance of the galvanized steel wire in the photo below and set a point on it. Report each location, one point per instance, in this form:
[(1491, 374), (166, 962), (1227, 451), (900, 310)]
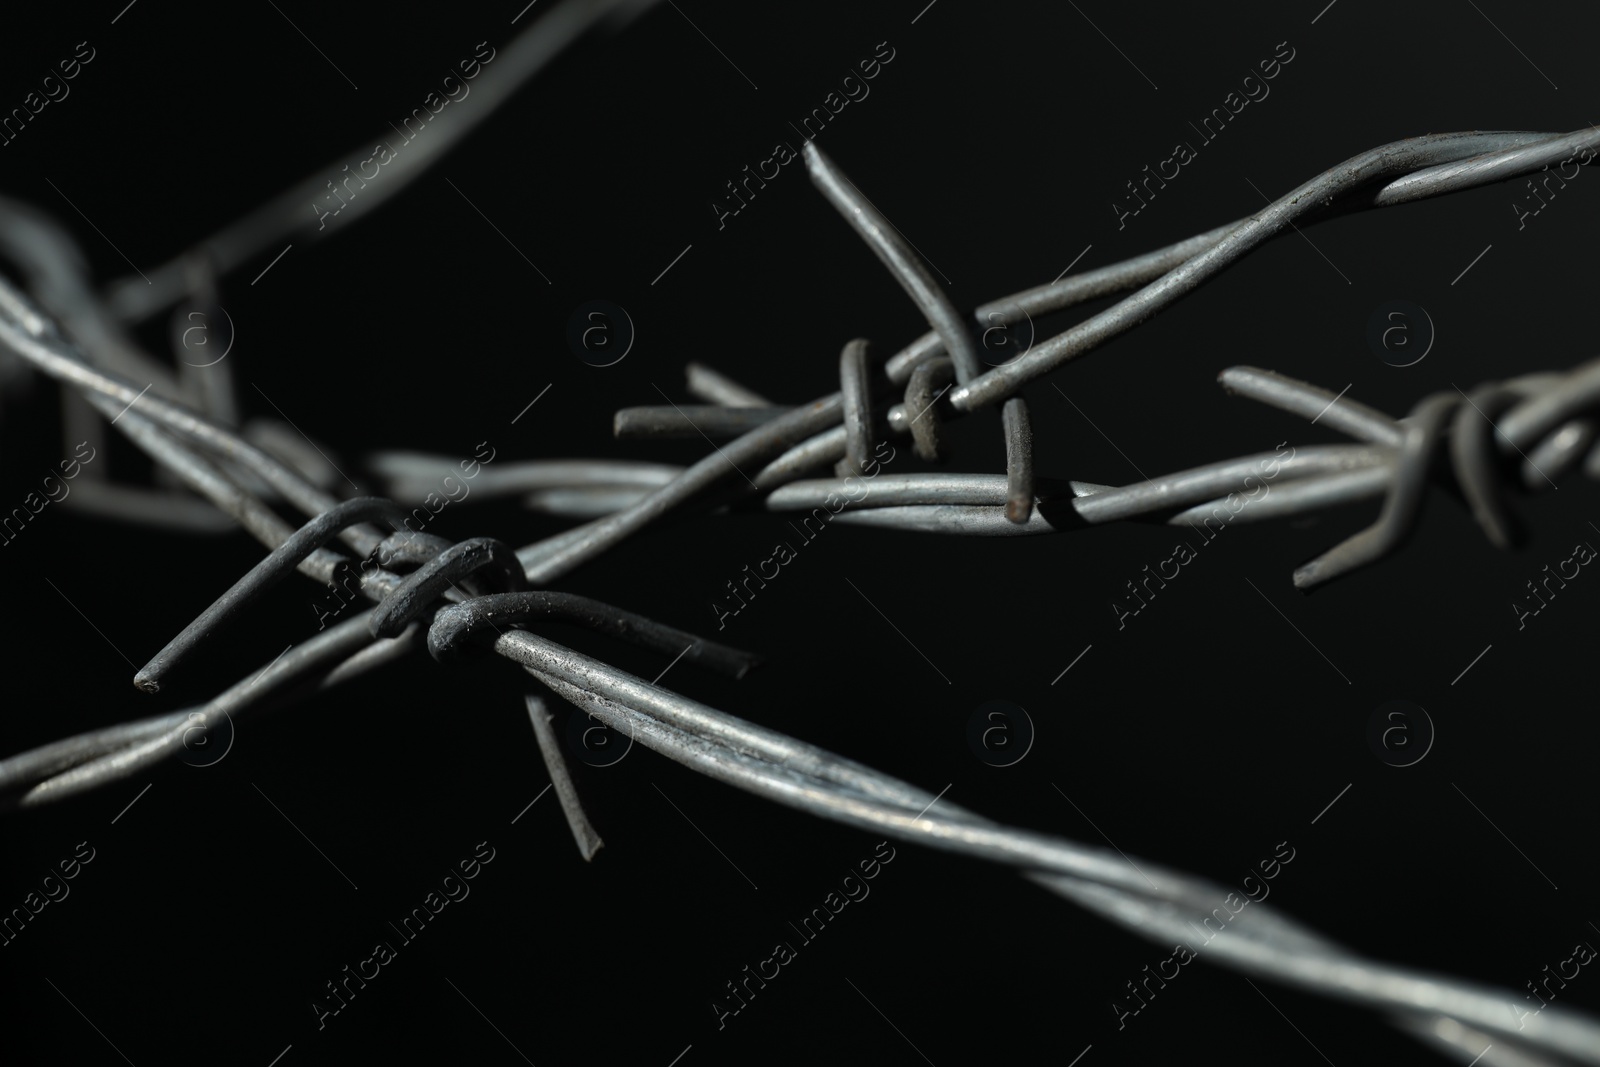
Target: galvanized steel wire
[(1549, 420)]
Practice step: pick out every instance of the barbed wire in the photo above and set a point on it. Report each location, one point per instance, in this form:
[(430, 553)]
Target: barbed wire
[(69, 333)]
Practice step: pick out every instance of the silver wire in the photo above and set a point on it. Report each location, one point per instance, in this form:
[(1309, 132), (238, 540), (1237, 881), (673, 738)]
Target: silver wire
[(792, 772)]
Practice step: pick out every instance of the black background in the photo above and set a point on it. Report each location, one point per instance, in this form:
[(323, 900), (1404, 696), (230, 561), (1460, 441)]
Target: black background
[(1199, 736)]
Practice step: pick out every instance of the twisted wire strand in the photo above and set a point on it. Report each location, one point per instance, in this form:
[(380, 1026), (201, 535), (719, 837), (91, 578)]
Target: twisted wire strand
[(566, 551), (1388, 161), (100, 757), (1515, 155), (97, 758), (1153, 901), (60, 360), (1496, 156), (1314, 478), (810, 778), (1397, 464), (814, 780), (964, 503), (1134, 272), (51, 354), (791, 772)]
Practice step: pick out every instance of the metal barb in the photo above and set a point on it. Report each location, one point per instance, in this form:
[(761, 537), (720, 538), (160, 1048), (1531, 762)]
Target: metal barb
[(278, 564), (583, 832), (1019, 460)]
